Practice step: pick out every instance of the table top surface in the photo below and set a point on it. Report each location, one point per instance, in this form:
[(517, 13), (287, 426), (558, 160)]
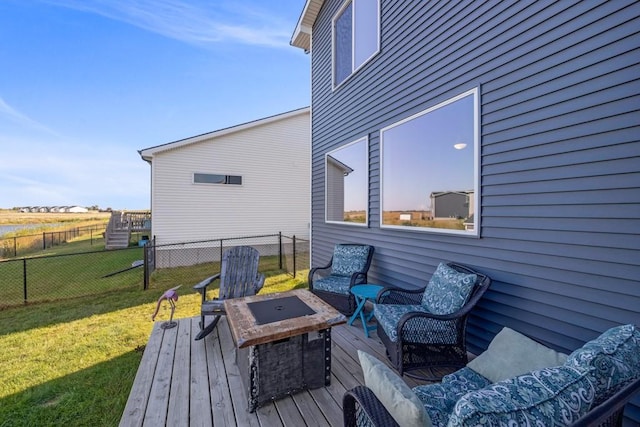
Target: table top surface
[(246, 332), (368, 290)]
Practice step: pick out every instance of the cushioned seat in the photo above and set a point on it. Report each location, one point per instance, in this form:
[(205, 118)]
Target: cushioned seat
[(348, 267)]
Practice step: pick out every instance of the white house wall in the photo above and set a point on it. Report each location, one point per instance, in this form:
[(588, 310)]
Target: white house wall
[(273, 160)]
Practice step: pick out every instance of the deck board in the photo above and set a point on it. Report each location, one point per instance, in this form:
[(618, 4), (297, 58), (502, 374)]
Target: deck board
[(183, 382)]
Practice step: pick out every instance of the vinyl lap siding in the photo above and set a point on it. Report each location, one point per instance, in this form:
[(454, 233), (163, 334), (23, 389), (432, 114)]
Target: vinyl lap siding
[(560, 157), (273, 162)]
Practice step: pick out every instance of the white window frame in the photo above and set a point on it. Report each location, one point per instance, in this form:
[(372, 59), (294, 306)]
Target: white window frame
[(476, 159), (354, 67), (365, 140)]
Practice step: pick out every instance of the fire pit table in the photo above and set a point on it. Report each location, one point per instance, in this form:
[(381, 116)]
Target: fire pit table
[(283, 343)]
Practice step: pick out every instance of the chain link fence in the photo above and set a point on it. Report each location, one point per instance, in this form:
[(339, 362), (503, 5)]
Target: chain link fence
[(277, 251), (57, 277), (23, 245)]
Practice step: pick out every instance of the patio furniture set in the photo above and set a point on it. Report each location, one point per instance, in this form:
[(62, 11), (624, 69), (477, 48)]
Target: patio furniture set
[(284, 346)]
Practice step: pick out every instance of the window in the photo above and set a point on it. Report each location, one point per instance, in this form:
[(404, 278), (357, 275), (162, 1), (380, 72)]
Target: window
[(356, 37), (209, 178), (347, 184), (429, 176)]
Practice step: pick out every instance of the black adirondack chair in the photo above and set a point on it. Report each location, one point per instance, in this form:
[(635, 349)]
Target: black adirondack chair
[(238, 277)]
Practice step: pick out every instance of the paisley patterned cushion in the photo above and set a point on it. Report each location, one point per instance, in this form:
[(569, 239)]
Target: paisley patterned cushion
[(336, 284), (447, 290), (611, 359), (555, 396), (439, 399), (349, 259), (388, 316)]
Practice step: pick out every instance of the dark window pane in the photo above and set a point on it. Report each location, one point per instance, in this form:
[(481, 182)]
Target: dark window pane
[(343, 45), (233, 179), (207, 178)]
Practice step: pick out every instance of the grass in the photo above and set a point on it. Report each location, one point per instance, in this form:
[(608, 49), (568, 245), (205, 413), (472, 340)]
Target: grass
[(14, 217), (73, 362)]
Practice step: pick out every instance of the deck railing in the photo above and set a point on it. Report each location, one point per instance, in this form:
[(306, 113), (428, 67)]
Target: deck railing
[(130, 221)]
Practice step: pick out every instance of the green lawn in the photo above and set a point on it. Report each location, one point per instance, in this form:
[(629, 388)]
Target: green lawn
[(72, 363)]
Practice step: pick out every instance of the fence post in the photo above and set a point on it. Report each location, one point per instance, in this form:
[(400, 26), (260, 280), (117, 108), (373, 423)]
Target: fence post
[(145, 257), (44, 241), (24, 278), (294, 256), (280, 247), (15, 246)]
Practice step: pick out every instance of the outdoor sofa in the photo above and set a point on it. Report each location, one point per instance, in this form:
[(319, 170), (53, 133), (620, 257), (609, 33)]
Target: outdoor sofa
[(516, 381)]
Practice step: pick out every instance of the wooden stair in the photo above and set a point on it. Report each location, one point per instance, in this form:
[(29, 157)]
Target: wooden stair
[(122, 223), (117, 239), (118, 232)]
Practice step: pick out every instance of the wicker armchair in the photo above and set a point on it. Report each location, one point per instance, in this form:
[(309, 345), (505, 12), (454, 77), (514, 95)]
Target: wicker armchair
[(362, 408), (418, 339), (348, 267)]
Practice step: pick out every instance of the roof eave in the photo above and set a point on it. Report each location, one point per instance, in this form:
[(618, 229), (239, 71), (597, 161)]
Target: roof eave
[(302, 34)]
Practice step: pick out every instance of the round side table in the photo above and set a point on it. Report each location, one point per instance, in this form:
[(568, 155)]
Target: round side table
[(362, 293)]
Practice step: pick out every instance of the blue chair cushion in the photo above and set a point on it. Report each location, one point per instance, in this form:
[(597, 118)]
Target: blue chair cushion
[(349, 259), (448, 290), (553, 396), (335, 284), (439, 399), (611, 360)]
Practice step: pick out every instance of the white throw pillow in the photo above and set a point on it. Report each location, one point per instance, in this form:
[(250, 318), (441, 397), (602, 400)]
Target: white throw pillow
[(396, 396), (511, 354)]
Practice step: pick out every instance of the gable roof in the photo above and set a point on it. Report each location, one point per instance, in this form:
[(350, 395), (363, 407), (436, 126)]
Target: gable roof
[(345, 169), (302, 34), (148, 153)]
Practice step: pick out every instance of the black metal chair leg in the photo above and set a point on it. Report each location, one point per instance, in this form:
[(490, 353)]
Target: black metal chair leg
[(210, 327)]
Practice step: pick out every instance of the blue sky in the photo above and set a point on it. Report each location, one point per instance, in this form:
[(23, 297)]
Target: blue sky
[(84, 84)]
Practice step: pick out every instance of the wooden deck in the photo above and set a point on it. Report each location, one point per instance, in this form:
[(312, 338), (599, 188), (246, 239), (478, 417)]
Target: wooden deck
[(182, 382)]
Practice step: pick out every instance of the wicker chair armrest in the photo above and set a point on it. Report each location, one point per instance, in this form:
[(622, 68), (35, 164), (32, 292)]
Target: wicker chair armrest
[(358, 278), (395, 295), (610, 412), (314, 270), (362, 399)]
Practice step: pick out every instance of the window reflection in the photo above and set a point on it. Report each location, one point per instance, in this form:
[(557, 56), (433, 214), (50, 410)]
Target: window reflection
[(429, 168), (347, 177)]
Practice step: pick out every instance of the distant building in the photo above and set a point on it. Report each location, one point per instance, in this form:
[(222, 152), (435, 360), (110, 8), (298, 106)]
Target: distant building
[(246, 180), (77, 209), (452, 204)]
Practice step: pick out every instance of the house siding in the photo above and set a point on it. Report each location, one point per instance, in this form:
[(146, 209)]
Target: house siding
[(559, 87), (272, 159)]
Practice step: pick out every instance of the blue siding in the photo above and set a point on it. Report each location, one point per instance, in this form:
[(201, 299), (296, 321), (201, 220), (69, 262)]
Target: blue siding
[(560, 155)]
